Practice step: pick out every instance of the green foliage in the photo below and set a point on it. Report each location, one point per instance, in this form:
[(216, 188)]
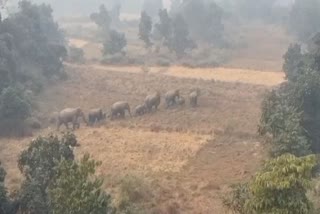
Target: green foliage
[(164, 27), (281, 186), (204, 19), (293, 62), (304, 18), (283, 121), (31, 51), (38, 164), (36, 39), (115, 43), (180, 40), (76, 55), (294, 109), (102, 19), (75, 191), (236, 200), (14, 105), (145, 28)]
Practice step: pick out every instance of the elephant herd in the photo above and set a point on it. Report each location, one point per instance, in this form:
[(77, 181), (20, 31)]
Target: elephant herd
[(119, 109)]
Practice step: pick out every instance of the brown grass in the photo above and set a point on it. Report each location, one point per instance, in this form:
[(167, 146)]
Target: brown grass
[(187, 156)]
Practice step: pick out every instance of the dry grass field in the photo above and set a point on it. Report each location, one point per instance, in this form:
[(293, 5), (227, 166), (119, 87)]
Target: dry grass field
[(185, 157), (188, 156)]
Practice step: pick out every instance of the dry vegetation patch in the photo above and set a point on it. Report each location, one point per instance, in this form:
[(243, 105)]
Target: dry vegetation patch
[(124, 150)]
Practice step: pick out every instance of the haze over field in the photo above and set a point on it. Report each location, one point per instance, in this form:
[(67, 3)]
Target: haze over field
[(159, 107)]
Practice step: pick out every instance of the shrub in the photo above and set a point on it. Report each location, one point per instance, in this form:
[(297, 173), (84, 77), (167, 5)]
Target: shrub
[(237, 198), (133, 192), (281, 186), (14, 105), (115, 43), (75, 190), (76, 55), (38, 164)]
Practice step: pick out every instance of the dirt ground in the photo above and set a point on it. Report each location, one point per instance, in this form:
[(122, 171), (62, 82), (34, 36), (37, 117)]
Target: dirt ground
[(189, 156)]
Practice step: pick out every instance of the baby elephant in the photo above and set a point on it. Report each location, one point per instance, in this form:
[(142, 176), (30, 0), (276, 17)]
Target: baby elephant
[(119, 108), (70, 115), (152, 100), (140, 110), (193, 97), (171, 97), (96, 115)]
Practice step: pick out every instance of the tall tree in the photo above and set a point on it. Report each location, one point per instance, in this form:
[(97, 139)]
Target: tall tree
[(145, 28), (180, 40)]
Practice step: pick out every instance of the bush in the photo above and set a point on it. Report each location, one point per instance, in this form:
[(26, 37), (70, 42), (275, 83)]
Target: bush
[(76, 55), (115, 43), (237, 198), (38, 164), (133, 192), (14, 105), (281, 186), (75, 190)]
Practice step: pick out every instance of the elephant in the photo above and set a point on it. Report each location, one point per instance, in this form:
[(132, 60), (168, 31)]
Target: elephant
[(70, 115), (119, 108), (171, 97), (140, 110), (152, 100), (193, 97), (181, 101), (96, 115)]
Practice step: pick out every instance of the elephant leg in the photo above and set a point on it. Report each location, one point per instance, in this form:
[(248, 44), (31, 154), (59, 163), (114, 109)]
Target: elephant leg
[(66, 125), (122, 114)]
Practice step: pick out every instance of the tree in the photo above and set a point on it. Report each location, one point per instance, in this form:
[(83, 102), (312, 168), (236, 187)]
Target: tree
[(204, 19), (180, 42), (282, 120), (303, 18), (281, 186), (76, 191), (164, 27), (102, 19), (38, 164), (145, 28), (14, 105), (115, 43)]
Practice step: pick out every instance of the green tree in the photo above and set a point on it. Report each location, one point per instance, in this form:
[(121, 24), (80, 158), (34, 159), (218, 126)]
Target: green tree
[(281, 186), (102, 19), (283, 121), (38, 164), (76, 191), (115, 43), (164, 27), (180, 41), (204, 19), (14, 105), (145, 28)]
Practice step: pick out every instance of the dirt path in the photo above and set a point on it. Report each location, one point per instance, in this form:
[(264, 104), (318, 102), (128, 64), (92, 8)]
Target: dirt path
[(220, 74)]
